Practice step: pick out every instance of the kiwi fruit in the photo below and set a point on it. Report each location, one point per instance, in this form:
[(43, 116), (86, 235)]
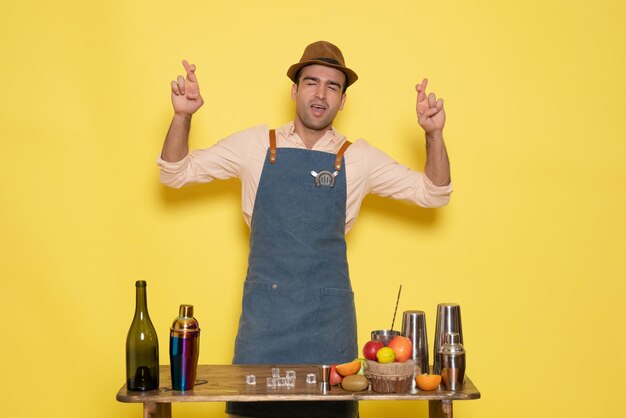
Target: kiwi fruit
[(355, 383)]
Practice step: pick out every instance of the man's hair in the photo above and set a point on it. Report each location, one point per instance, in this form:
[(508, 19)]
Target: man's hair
[(331, 61)]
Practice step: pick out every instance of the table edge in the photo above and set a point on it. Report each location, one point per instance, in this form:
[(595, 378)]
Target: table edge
[(165, 395)]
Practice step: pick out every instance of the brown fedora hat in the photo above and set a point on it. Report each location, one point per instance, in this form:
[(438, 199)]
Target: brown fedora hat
[(322, 53)]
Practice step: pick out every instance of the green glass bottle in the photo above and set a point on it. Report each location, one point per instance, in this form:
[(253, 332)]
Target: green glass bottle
[(142, 346)]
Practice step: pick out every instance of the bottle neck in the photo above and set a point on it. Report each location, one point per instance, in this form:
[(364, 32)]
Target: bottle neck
[(141, 305)]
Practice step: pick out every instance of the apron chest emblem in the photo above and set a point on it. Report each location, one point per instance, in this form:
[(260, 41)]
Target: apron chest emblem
[(324, 178)]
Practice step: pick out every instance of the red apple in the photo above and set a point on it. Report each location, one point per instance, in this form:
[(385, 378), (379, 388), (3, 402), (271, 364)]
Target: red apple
[(402, 346), (371, 348), (335, 378)]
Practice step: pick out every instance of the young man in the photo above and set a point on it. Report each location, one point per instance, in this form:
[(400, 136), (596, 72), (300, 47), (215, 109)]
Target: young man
[(303, 185)]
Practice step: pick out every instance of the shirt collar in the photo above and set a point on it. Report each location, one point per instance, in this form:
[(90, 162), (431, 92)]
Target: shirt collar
[(330, 138)]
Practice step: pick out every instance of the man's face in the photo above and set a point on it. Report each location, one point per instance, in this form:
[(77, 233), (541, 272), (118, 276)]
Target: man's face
[(318, 96)]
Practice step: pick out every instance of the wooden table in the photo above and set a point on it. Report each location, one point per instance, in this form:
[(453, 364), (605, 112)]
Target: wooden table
[(222, 383)]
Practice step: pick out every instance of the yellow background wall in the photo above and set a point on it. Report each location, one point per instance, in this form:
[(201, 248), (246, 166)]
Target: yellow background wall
[(532, 244)]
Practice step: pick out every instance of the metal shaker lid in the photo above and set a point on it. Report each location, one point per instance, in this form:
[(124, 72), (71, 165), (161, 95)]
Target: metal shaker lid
[(186, 311), (452, 344), (185, 323)]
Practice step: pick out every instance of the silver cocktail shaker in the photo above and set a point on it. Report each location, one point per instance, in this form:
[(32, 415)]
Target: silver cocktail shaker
[(448, 320), (414, 328), (452, 362)]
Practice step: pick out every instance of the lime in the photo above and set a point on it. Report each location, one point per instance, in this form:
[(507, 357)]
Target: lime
[(362, 370), (386, 355)]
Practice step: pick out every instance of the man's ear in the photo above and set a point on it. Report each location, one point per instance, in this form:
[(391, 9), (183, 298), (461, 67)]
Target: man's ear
[(294, 91), (343, 101)]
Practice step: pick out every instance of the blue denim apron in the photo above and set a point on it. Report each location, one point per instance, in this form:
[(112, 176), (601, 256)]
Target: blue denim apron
[(298, 305)]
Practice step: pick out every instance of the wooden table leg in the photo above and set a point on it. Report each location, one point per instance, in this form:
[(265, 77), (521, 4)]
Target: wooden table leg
[(440, 409), (157, 410)]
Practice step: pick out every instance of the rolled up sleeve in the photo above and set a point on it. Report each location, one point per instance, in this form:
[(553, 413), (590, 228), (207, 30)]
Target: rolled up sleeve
[(389, 178), (221, 161)]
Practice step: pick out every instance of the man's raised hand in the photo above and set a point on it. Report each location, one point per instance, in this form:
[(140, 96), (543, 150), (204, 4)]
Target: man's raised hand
[(430, 113), (186, 97)]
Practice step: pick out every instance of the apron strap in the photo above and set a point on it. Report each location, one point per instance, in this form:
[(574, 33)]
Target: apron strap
[(272, 146), (338, 157)]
